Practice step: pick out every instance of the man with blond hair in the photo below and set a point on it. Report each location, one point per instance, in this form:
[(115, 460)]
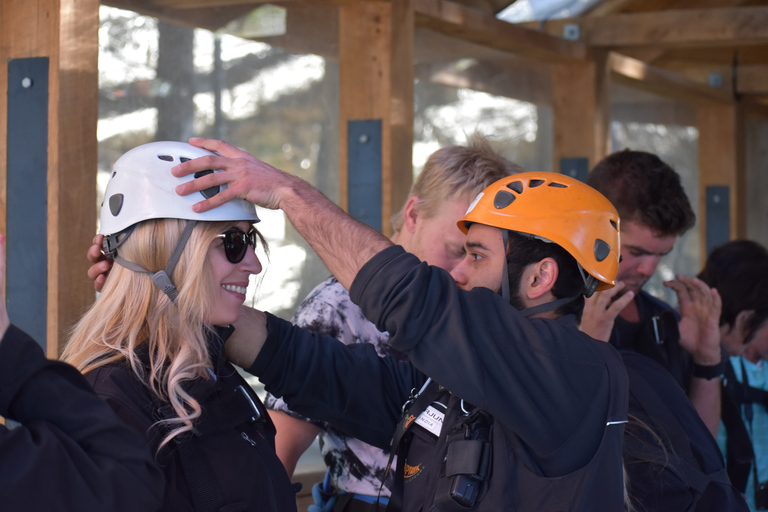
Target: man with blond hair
[(425, 226)]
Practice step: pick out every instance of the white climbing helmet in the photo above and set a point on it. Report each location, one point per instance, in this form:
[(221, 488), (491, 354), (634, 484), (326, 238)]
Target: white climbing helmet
[(142, 188)]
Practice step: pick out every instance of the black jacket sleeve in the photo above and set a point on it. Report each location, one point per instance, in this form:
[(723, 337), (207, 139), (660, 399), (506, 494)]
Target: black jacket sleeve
[(71, 452), (349, 386), (542, 379)]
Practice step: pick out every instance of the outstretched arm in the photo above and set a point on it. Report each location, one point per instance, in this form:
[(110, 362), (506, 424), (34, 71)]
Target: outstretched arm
[(343, 243)]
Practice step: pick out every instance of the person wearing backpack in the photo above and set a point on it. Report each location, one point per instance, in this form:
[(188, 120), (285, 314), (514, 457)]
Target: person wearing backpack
[(738, 270)]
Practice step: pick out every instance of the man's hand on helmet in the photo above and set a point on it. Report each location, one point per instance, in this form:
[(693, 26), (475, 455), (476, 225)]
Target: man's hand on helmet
[(246, 177)]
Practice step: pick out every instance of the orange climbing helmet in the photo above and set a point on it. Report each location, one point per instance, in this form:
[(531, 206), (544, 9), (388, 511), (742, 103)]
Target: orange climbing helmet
[(559, 209)]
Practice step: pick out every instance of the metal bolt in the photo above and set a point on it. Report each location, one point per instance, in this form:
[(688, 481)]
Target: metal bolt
[(26, 82), (571, 32), (363, 139)]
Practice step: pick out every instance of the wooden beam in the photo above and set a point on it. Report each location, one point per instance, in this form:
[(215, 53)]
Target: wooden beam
[(635, 73), (210, 18), (66, 32), (722, 154), (755, 107), (198, 4), (376, 82), (580, 107), (683, 28), (752, 79), (477, 27)]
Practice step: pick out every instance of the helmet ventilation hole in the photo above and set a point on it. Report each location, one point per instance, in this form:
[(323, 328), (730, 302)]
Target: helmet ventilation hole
[(115, 204), (167, 158), (183, 159), (615, 226), (602, 249), (517, 186), (555, 184), (210, 191), (503, 199), (535, 183)]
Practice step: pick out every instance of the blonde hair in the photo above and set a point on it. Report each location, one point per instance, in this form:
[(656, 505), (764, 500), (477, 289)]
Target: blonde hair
[(456, 173), (132, 312)]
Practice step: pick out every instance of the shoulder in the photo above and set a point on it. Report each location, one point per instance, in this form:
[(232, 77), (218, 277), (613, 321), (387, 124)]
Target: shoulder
[(123, 390), (329, 310), (327, 297)]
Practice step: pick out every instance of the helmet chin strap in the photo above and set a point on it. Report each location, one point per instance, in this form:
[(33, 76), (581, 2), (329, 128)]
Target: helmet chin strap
[(547, 306), (162, 278), (505, 274), (527, 312)]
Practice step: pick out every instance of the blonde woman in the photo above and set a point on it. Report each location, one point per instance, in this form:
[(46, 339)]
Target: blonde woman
[(153, 343)]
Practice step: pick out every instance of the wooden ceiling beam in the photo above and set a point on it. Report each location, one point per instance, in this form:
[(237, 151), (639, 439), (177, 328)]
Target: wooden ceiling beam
[(199, 4), (681, 28), (458, 21), (636, 73)]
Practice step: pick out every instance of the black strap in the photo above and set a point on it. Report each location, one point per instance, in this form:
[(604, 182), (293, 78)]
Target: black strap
[(205, 490), (742, 392), (162, 278), (401, 443), (740, 454)]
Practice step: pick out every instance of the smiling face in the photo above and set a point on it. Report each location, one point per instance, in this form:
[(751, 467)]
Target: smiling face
[(641, 252), (230, 280)]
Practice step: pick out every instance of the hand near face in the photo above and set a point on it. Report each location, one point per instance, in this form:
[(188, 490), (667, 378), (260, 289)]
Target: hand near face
[(4, 321), (601, 310), (246, 177), (700, 317), (100, 264)]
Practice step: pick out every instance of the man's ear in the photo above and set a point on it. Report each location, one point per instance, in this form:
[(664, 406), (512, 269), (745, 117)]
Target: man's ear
[(741, 324), (541, 278), (411, 214)]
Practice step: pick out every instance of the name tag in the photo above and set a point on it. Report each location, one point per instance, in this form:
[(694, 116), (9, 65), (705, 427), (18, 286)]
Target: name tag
[(431, 420)]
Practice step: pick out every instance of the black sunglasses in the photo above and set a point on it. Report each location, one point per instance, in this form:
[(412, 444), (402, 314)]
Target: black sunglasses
[(236, 242)]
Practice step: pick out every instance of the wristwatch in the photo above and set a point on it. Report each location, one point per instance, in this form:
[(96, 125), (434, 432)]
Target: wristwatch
[(709, 372)]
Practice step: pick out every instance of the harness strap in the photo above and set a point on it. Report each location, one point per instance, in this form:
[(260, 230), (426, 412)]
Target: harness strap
[(401, 443), (740, 454), (205, 490), (162, 278)]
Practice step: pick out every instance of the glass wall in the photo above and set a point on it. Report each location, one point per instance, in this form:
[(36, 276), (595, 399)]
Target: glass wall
[(162, 81), (644, 122)]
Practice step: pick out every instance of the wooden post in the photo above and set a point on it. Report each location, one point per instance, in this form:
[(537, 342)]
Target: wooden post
[(376, 82), (580, 110), (65, 32), (722, 153)]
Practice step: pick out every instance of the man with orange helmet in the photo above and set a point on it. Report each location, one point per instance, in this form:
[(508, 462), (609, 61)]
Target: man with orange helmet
[(506, 408)]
